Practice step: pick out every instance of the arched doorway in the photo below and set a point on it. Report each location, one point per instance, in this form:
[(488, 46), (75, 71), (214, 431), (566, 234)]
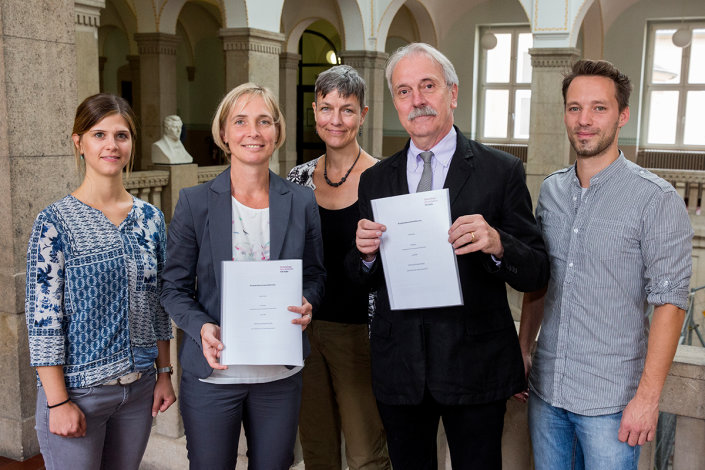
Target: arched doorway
[(319, 49)]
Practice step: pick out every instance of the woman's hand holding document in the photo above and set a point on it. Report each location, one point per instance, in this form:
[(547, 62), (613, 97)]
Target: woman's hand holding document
[(256, 322), (420, 267)]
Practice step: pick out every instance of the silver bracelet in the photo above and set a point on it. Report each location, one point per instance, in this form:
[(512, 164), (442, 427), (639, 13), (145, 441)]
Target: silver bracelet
[(163, 370)]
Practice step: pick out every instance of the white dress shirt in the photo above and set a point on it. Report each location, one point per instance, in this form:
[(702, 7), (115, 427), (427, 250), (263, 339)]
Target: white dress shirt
[(440, 162)]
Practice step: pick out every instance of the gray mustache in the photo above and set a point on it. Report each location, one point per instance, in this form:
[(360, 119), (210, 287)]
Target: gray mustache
[(424, 111)]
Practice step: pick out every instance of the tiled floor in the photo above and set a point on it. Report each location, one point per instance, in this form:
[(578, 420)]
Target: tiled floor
[(35, 463)]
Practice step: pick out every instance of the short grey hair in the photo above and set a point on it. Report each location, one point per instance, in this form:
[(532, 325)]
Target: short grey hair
[(431, 52), (345, 80)]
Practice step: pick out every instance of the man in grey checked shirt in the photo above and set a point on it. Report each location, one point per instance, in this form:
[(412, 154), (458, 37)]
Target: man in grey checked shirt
[(618, 237)]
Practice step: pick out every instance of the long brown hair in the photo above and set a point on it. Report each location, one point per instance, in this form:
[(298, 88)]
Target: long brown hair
[(93, 109)]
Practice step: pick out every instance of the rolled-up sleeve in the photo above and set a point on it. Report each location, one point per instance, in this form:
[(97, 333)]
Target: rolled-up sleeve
[(44, 300), (667, 247)]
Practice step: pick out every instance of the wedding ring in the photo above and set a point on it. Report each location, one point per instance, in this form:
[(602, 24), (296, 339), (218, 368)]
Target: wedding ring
[(472, 237)]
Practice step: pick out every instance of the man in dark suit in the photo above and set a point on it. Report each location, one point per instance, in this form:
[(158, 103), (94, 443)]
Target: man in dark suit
[(459, 363)]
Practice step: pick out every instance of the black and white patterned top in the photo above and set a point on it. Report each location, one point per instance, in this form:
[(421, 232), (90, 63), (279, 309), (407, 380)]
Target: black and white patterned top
[(303, 174)]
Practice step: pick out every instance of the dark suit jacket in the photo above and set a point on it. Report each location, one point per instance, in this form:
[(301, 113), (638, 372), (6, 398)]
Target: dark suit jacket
[(467, 354), (200, 237)]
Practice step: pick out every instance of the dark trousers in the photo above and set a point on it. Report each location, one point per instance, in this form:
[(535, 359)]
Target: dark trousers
[(213, 414), (474, 434)]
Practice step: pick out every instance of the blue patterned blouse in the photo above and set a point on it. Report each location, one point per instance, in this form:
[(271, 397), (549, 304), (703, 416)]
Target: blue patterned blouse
[(93, 289)]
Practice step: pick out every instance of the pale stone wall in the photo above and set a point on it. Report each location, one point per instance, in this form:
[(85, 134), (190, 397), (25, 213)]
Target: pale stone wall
[(87, 16), (37, 103)]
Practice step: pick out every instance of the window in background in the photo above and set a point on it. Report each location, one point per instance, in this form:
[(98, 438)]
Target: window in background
[(505, 86), (674, 88)]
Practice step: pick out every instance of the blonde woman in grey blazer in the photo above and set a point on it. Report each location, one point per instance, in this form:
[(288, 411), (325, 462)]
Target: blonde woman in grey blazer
[(247, 213)]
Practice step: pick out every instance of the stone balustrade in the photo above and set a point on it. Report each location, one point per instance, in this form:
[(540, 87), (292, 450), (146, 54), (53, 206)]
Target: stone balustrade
[(147, 185), (207, 173), (688, 183)]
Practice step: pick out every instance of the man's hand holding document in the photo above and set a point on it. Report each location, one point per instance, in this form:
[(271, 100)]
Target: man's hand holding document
[(420, 267)]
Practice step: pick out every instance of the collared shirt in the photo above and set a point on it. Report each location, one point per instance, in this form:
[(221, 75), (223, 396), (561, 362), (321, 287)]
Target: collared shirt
[(93, 289), (440, 162), (626, 241)]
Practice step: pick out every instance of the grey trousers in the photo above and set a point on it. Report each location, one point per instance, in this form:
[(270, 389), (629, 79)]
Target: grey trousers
[(118, 423)]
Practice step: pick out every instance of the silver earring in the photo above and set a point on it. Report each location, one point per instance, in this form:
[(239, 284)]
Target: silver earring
[(82, 157), (359, 132)]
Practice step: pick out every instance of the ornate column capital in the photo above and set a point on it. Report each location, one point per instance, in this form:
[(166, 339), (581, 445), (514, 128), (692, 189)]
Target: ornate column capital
[(554, 57), (87, 12), (156, 43), (251, 40), (364, 59)]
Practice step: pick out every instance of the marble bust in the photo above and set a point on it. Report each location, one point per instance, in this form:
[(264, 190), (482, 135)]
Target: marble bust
[(169, 149)]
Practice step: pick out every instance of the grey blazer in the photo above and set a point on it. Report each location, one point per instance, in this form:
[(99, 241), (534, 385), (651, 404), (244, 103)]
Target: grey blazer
[(200, 237)]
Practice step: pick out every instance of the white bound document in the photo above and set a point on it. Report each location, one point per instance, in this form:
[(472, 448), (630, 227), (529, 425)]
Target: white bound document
[(255, 325), (420, 267)]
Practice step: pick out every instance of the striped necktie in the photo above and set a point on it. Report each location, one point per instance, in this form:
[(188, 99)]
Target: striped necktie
[(427, 174)]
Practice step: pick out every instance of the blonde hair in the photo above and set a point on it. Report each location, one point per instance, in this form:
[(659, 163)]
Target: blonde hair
[(226, 105)]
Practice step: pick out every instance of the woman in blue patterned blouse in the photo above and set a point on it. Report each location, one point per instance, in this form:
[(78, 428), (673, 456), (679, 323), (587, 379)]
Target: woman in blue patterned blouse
[(96, 328)]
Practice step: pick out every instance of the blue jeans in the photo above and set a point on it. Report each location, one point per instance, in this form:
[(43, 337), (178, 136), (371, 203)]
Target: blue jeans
[(568, 441)]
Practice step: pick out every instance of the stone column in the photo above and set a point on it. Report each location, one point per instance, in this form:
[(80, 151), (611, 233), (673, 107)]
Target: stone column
[(181, 176), (87, 14), (157, 89), (252, 55), (288, 80), (370, 65), (549, 148), (37, 92)]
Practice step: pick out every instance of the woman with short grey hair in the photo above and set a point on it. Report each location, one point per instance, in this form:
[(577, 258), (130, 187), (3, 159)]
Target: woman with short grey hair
[(337, 388)]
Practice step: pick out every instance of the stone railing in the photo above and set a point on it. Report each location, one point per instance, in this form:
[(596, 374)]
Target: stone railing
[(147, 185), (207, 173), (688, 183)]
